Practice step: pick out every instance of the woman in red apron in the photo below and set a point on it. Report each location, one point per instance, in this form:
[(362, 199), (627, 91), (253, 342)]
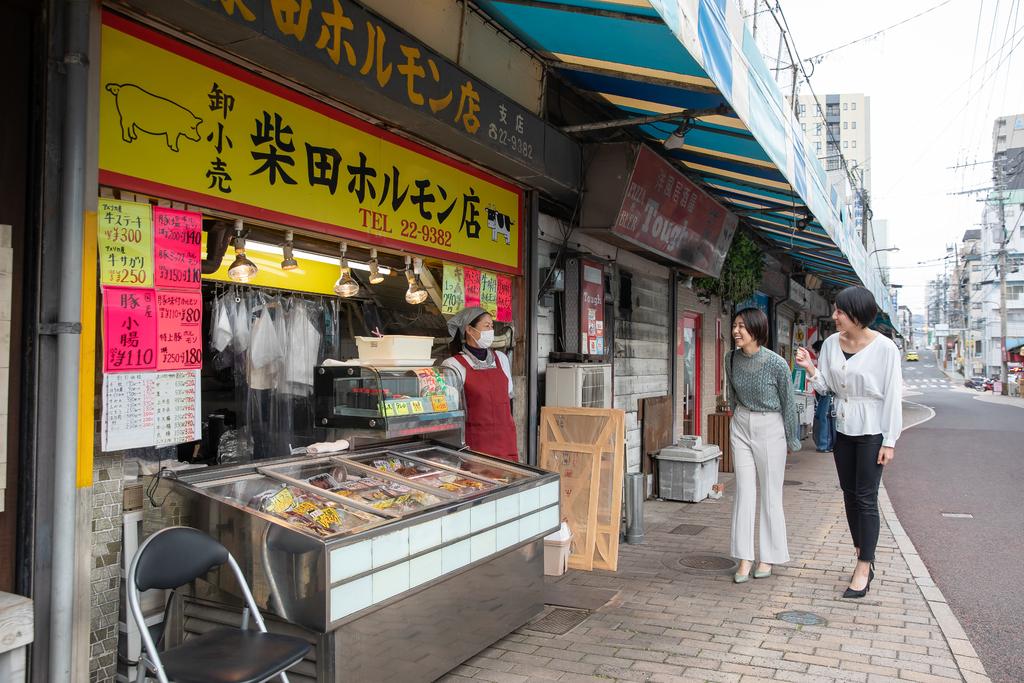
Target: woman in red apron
[(486, 384)]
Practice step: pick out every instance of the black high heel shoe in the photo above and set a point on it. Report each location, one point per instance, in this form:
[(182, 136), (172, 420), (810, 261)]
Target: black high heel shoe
[(851, 593)]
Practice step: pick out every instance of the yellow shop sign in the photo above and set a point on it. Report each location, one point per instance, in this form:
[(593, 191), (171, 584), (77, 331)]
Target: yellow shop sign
[(179, 123)]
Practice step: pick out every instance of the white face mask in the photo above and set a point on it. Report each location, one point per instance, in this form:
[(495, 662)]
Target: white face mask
[(485, 339)]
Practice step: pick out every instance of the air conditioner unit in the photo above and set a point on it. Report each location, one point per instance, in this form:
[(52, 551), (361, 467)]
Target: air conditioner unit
[(579, 385)]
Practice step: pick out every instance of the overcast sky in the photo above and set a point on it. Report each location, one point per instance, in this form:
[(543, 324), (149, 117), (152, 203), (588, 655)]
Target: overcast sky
[(928, 112)]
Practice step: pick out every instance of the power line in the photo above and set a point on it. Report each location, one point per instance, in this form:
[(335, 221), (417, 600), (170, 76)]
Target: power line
[(968, 101), (787, 33), (816, 59)]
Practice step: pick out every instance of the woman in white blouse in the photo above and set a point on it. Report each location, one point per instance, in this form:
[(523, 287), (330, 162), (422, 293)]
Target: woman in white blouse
[(862, 368)]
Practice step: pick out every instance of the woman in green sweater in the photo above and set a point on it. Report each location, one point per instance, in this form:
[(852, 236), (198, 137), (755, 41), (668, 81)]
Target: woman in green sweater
[(764, 427)]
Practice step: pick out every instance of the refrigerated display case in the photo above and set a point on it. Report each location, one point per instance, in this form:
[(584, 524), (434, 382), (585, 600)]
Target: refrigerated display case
[(400, 561), (387, 402)]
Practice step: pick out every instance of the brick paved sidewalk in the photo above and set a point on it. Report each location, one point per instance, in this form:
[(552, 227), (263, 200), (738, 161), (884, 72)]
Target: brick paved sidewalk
[(671, 624)]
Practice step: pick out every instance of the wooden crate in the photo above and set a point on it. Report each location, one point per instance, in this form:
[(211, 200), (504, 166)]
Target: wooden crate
[(718, 434), (586, 447)]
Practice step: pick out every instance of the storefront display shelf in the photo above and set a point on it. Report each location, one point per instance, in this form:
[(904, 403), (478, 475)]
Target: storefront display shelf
[(441, 559)]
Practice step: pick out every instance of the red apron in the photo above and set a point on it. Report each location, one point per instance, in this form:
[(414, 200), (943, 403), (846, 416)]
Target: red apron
[(489, 425)]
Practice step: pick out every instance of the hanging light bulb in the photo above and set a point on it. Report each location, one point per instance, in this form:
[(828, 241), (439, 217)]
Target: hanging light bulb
[(241, 269), (376, 277), (416, 294), (288, 262), (346, 285)]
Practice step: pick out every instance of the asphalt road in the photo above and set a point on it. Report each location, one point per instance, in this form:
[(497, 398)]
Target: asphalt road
[(968, 459)]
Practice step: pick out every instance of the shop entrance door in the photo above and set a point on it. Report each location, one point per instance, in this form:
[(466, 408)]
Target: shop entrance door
[(687, 385)]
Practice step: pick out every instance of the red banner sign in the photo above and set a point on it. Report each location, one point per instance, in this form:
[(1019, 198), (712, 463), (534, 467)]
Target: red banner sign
[(504, 299), (179, 331), (666, 213), (472, 288), (129, 329), (177, 237)]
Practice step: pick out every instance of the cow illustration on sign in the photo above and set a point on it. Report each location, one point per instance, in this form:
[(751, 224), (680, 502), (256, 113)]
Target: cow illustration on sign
[(142, 110)]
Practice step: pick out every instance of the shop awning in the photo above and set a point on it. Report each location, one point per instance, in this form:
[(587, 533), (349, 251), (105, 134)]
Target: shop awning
[(658, 57), (1014, 344)]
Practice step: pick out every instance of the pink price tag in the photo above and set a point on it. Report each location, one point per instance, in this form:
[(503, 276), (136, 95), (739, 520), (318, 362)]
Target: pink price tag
[(472, 288), (504, 299), (177, 238), (129, 329), (180, 330)]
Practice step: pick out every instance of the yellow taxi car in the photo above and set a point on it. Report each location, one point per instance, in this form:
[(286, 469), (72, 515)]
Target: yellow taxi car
[(911, 355)]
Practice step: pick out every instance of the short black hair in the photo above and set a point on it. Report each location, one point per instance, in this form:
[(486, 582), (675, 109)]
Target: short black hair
[(817, 346), (756, 323), (858, 304)]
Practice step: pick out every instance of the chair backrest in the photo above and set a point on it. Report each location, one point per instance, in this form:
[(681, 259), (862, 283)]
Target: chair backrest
[(175, 556)]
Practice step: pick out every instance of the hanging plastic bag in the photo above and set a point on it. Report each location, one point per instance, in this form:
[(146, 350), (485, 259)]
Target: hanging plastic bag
[(240, 332), (222, 334), (265, 346)]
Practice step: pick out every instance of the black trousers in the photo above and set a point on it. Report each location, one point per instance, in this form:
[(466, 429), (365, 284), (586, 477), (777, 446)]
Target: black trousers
[(859, 476)]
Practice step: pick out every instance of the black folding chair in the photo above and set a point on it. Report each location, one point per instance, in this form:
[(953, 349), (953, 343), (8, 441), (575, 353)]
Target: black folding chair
[(173, 557)]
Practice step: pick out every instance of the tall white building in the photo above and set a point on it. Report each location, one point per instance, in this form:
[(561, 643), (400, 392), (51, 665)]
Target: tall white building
[(837, 125), (1003, 223)]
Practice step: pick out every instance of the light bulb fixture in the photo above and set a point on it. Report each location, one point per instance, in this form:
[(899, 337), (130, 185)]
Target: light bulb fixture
[(241, 269), (376, 277), (346, 285), (288, 261), (415, 294)]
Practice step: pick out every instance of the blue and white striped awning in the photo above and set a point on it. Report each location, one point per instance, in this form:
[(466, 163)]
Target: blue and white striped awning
[(653, 57)]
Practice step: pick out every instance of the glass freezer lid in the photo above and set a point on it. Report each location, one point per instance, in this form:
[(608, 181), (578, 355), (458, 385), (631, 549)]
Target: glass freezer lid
[(472, 464), (294, 506), (426, 474), (358, 485)]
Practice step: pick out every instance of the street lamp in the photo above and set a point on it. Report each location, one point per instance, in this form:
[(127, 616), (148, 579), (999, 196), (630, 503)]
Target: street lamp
[(876, 251)]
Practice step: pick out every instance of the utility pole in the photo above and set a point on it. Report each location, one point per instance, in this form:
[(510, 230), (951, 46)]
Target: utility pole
[(753, 30), (1004, 357)]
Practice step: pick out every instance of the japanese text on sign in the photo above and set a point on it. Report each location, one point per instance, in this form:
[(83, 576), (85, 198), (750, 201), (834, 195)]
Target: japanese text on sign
[(453, 298), (346, 38), (129, 416), (236, 139), (129, 329), (125, 243), (177, 236), (489, 293), (179, 330), (472, 286), (504, 303), (177, 408)]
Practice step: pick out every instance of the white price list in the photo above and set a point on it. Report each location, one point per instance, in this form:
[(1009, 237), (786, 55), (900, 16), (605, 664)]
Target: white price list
[(128, 410), (177, 407)]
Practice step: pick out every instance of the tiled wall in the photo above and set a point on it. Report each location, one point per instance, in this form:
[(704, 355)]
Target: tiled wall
[(107, 516)]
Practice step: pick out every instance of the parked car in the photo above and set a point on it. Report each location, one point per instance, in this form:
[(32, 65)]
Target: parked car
[(976, 383), (911, 356)]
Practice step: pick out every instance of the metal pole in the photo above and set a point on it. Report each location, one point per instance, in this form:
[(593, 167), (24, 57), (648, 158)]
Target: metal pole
[(533, 291), (76, 65), (753, 30), (1004, 372)]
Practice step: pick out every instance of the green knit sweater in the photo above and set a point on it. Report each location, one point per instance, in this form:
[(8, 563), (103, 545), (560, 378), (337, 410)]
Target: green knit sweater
[(762, 383)]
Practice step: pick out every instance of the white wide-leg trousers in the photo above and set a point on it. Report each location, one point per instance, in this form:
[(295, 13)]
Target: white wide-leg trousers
[(759, 455)]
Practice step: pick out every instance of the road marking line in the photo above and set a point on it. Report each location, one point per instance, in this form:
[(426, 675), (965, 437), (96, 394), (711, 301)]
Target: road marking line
[(958, 515)]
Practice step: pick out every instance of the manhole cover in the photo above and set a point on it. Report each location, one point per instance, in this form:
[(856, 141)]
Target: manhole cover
[(792, 482), (559, 621), (688, 529), (708, 563), (801, 617)]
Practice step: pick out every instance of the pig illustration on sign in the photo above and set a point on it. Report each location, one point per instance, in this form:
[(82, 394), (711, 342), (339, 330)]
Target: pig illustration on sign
[(142, 110)]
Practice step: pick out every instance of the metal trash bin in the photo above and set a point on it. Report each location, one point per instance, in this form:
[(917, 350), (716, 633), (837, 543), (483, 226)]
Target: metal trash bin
[(635, 485)]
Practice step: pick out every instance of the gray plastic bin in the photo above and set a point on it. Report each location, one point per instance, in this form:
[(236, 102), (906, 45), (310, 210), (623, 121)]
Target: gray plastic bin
[(687, 474)]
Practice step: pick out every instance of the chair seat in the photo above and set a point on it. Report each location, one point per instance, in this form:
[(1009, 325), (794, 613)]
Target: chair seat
[(229, 655)]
